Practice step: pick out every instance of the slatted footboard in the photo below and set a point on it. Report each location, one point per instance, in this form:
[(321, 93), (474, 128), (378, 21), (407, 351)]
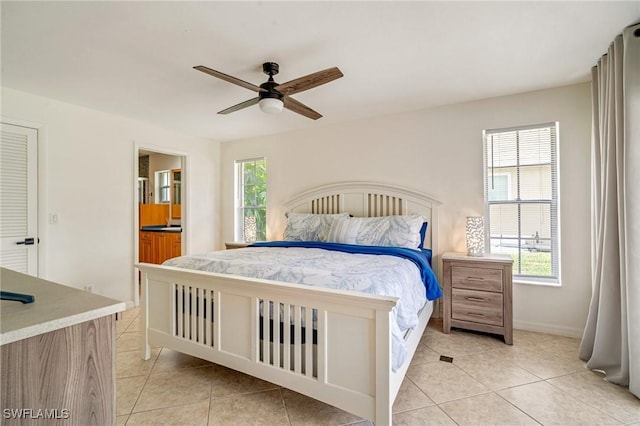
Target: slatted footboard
[(333, 346)]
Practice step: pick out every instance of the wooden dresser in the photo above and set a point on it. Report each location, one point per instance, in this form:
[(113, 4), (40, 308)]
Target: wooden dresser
[(57, 354), (478, 293)]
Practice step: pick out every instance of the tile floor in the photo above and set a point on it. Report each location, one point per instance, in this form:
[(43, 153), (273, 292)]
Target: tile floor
[(538, 380)]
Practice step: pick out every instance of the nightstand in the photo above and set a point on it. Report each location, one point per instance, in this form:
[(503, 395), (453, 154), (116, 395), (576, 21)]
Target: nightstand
[(478, 293), (235, 244)]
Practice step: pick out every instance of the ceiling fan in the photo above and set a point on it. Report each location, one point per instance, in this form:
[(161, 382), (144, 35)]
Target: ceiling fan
[(272, 97)]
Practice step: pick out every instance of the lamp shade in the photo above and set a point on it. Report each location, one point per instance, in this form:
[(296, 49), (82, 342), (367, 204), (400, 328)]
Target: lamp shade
[(475, 236), (271, 105), (250, 229)]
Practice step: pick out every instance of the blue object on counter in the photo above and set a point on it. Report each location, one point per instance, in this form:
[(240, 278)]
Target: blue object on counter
[(17, 297)]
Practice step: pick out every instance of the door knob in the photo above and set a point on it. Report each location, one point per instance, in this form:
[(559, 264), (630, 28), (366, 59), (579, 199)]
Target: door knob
[(27, 242)]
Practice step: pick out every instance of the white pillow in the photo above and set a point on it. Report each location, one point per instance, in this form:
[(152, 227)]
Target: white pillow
[(344, 230), (395, 231), (309, 227)]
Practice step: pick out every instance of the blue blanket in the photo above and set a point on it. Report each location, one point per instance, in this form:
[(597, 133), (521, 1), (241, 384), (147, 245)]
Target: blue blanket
[(417, 257)]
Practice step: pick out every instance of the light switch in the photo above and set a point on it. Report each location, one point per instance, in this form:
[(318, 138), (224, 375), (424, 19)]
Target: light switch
[(53, 218)]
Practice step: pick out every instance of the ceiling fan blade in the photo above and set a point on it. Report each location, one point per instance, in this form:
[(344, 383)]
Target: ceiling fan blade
[(295, 106), (229, 78), (240, 106), (309, 81)]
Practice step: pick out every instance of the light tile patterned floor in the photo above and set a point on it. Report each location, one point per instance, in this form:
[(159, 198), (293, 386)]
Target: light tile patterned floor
[(538, 380)]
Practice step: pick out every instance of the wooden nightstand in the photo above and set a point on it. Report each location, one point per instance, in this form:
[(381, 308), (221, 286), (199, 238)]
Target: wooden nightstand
[(235, 244), (478, 293)]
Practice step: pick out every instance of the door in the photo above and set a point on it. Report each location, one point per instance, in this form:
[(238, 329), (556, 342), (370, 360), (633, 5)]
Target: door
[(19, 198)]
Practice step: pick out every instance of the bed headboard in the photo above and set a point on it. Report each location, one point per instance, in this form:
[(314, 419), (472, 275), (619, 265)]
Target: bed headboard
[(365, 199)]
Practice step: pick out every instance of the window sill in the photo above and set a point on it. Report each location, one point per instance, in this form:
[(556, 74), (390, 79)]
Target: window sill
[(543, 283)]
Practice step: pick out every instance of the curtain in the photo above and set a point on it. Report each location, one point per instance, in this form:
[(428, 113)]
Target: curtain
[(611, 339)]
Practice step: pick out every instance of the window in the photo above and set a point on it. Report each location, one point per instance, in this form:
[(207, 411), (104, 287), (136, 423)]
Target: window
[(521, 199), (251, 200), (163, 187)]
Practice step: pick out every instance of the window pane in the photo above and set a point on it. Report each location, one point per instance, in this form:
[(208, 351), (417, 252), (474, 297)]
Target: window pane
[(535, 146), (249, 173), (535, 220), (498, 187), (504, 221), (250, 196), (164, 179), (535, 182), (164, 195), (535, 263), (500, 150), (260, 217)]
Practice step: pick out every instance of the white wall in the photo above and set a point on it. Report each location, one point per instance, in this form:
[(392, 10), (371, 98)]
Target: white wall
[(86, 171), (439, 151)]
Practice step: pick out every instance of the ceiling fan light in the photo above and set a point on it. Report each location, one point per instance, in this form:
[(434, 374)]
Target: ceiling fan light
[(271, 105)]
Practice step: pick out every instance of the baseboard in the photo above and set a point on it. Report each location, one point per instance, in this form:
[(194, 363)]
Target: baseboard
[(548, 328)]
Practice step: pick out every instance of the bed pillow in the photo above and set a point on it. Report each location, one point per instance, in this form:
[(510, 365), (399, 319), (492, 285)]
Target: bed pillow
[(309, 227), (395, 231), (423, 234), (344, 230)]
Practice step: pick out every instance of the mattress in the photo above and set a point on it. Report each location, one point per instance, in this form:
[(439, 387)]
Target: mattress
[(362, 269)]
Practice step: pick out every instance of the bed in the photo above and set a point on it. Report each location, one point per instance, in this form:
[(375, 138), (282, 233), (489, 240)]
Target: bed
[(338, 346)]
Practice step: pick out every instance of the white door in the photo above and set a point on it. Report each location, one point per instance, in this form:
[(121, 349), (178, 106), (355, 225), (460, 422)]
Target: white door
[(19, 198)]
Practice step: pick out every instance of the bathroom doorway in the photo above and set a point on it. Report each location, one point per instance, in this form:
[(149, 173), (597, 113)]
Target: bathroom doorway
[(160, 207)]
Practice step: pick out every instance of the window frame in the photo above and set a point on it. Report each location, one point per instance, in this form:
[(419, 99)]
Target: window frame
[(554, 202), (240, 207)]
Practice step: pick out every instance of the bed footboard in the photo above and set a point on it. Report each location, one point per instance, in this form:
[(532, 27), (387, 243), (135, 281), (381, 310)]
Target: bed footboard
[(331, 345)]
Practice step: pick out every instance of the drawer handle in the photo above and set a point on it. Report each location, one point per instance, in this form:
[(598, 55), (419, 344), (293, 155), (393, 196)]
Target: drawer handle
[(475, 299), (475, 314), (474, 279)]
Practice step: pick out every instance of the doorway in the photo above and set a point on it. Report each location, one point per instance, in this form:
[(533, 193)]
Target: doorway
[(160, 208)]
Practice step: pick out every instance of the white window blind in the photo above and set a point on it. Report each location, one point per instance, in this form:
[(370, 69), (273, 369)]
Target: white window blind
[(521, 197)]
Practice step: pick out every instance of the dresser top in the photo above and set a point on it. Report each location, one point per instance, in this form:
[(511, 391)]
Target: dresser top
[(489, 257), (56, 306)]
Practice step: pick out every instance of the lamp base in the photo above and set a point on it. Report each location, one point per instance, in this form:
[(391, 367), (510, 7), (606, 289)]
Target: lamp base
[(475, 254)]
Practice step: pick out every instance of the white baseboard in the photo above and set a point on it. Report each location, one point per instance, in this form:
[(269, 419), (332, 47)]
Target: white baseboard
[(548, 328)]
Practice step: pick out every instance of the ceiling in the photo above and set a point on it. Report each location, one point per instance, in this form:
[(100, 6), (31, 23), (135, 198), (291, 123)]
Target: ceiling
[(135, 59)]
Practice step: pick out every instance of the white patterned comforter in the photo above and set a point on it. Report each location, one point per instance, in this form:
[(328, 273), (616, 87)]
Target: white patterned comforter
[(373, 274)]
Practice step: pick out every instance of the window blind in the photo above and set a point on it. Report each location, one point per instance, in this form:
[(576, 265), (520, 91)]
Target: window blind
[(521, 197)]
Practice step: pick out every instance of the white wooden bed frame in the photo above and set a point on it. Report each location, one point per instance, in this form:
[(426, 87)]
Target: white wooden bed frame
[(352, 357)]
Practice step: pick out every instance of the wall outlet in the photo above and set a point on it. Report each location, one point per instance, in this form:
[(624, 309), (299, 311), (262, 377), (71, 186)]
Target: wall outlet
[(88, 288)]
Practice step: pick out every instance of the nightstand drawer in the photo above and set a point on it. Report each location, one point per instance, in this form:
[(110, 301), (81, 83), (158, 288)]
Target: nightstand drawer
[(477, 306), (476, 278)]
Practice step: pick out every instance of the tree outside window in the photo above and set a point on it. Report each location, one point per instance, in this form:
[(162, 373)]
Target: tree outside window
[(251, 212)]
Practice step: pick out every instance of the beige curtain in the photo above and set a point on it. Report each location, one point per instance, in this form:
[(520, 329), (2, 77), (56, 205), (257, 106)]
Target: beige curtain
[(611, 340)]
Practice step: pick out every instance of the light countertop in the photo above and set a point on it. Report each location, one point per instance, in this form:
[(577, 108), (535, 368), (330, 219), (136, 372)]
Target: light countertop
[(56, 306)]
